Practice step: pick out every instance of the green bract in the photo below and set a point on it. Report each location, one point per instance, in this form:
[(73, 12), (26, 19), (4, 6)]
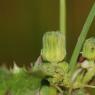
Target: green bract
[(53, 47), (89, 48)]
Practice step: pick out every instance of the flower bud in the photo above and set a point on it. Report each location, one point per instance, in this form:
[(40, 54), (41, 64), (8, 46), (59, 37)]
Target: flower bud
[(89, 49), (53, 47)]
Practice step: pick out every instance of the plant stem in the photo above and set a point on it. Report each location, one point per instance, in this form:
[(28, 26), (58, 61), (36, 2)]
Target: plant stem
[(70, 91), (90, 86), (81, 39), (59, 89), (63, 16)]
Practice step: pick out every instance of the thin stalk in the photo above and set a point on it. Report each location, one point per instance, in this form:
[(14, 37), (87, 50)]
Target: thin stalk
[(81, 39), (90, 86), (70, 91), (59, 89), (63, 18)]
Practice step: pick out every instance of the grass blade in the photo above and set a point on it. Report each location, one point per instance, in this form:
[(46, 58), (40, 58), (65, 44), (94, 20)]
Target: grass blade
[(81, 38)]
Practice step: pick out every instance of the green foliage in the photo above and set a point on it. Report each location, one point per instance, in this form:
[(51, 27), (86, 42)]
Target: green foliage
[(25, 85), (4, 77), (22, 83)]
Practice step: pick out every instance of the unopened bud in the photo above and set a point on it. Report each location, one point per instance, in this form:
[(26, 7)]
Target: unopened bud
[(89, 48), (53, 47)]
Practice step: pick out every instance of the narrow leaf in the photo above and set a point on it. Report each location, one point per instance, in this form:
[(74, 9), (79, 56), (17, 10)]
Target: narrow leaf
[(81, 38)]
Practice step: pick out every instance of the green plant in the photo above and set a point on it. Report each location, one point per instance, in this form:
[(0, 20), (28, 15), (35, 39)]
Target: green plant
[(51, 74), (74, 75)]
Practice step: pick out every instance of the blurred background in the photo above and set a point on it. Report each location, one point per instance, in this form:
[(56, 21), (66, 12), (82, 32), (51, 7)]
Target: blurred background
[(23, 22)]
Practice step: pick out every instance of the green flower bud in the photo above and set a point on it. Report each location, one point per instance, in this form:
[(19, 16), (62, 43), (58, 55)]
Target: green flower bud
[(89, 48), (53, 47)]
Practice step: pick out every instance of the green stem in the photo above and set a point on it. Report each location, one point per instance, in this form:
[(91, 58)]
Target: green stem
[(63, 16), (81, 39), (59, 89), (70, 91), (90, 86)]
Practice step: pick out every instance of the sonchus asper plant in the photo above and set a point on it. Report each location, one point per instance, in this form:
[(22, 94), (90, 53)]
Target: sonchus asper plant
[(63, 78), (58, 72)]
